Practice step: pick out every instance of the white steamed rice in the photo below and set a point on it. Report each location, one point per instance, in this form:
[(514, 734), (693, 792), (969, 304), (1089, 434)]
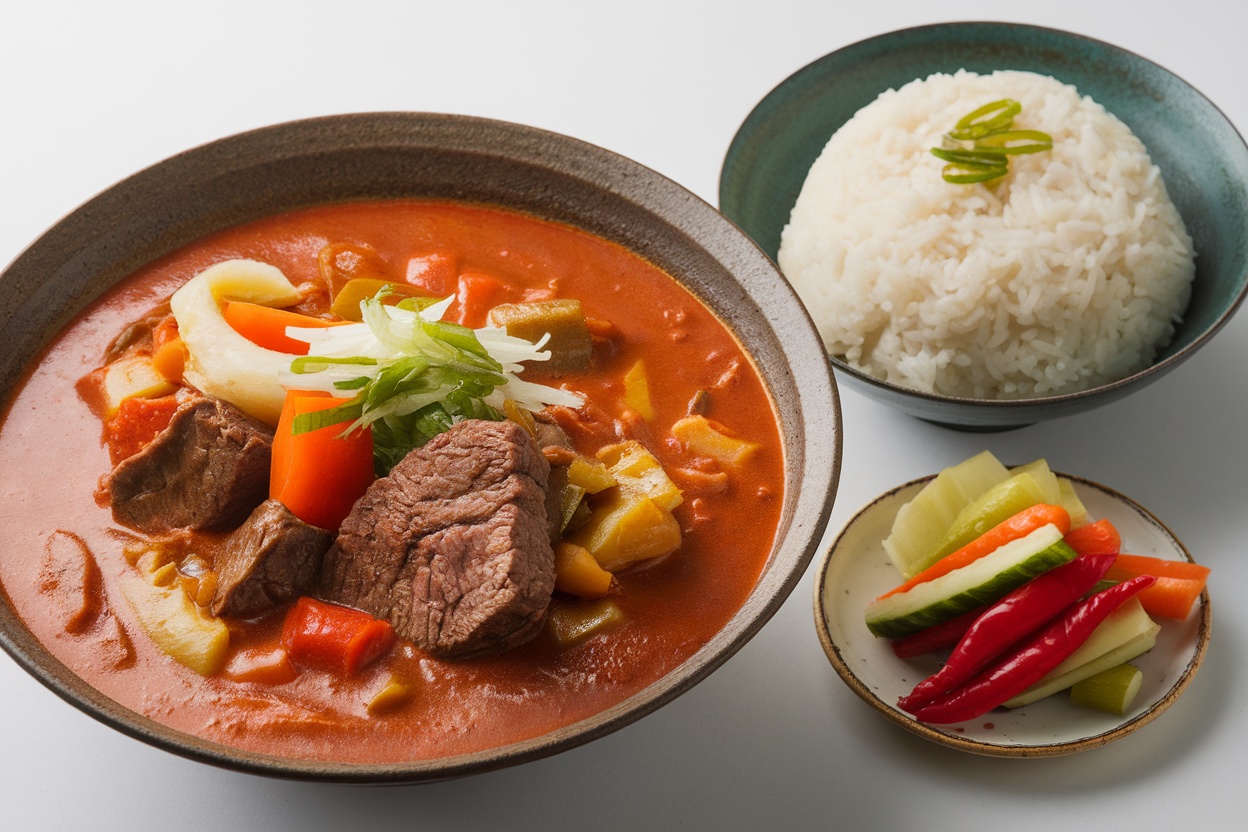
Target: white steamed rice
[(1069, 273)]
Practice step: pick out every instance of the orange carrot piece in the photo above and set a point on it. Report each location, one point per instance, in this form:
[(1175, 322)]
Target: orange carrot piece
[(333, 638), (169, 359), (1178, 585), (320, 474), (477, 294), (164, 332), (268, 666), (1020, 525), (1099, 538), (266, 326)]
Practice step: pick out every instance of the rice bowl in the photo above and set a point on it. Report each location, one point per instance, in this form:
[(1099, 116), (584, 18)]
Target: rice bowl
[(1069, 273)]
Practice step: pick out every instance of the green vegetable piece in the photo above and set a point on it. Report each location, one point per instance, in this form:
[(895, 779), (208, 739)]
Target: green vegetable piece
[(570, 344), (986, 580), (1111, 690), (987, 130), (997, 504)]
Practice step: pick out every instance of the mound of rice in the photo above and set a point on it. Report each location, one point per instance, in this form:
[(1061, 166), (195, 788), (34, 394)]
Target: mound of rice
[(1068, 273)]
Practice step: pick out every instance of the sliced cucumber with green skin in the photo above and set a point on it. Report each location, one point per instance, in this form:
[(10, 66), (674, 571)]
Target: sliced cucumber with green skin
[(986, 580), (1111, 691), (996, 505)]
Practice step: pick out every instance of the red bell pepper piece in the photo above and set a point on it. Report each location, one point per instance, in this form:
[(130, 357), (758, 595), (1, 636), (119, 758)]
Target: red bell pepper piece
[(1015, 616), (1037, 656)]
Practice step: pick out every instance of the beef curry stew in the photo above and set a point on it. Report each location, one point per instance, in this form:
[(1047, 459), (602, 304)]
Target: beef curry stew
[(665, 389)]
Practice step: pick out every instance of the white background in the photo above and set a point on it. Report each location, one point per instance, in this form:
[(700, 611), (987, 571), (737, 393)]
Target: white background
[(90, 93)]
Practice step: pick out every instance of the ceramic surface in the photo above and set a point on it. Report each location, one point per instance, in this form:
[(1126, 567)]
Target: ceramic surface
[(371, 156), (855, 570), (1202, 157)]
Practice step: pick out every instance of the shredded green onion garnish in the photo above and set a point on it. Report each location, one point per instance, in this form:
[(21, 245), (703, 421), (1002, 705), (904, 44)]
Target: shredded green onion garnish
[(410, 376), (991, 143)]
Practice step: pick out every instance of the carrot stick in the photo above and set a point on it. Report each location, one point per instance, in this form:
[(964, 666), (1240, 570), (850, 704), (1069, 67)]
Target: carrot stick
[(1099, 538), (333, 638), (1179, 583), (1020, 525), (477, 294), (320, 474), (266, 326)]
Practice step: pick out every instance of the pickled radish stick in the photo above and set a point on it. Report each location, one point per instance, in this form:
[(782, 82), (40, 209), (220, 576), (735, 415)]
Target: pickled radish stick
[(1018, 526)]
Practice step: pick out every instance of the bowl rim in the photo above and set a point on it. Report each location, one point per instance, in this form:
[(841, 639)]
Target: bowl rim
[(813, 454), (973, 405), (978, 747)]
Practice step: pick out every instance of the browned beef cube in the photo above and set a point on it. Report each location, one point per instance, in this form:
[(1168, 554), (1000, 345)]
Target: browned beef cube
[(452, 547), (207, 470), (274, 557)]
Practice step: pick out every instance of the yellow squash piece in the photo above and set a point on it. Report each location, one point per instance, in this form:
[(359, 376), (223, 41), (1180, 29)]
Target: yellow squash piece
[(637, 390), (702, 437), (220, 362), (578, 573), (635, 468), (628, 527)]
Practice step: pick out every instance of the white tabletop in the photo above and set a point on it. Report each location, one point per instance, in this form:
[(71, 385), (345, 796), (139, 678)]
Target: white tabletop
[(90, 93)]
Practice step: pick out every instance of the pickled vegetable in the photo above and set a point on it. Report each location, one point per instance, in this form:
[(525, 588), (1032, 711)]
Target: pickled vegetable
[(999, 503), (1111, 690), (921, 523), (1126, 633)]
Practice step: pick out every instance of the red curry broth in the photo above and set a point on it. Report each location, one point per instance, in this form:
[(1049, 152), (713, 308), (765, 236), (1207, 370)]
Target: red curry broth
[(64, 553)]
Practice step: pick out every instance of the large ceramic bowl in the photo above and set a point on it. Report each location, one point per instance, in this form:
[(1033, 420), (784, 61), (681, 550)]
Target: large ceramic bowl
[(421, 155), (1202, 158)]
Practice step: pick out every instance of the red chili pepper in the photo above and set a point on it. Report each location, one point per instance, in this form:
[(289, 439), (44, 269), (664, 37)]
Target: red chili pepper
[(1036, 657), (1015, 616), (937, 637)]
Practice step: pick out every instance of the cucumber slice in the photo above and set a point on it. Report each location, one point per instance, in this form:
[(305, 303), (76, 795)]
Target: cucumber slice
[(996, 505), (1111, 690), (982, 582), (1126, 633), (921, 523)]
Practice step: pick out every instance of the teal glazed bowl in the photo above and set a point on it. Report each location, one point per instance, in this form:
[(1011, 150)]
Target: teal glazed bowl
[(1202, 157)]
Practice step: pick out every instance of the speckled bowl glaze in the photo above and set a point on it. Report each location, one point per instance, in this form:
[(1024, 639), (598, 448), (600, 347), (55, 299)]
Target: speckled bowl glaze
[(855, 570), (1202, 157), (372, 156)]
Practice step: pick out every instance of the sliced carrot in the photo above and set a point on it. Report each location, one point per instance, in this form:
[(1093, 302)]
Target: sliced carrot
[(164, 332), (266, 326), (1178, 585), (136, 424), (169, 359), (1099, 538), (333, 638), (319, 474), (1020, 525)]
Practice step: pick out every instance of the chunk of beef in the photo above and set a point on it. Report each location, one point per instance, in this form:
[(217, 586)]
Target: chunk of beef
[(274, 557), (208, 469), (452, 547)]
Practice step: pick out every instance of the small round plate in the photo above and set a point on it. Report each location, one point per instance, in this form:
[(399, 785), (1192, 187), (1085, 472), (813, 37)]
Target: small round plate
[(856, 570)]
